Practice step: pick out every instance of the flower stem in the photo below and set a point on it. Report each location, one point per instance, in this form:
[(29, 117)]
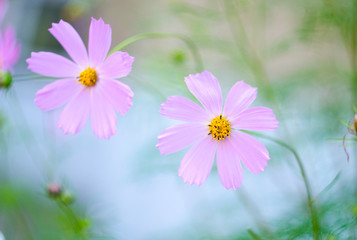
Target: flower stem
[(190, 44), (29, 77), (353, 53), (254, 235), (255, 213), (75, 220), (312, 208)]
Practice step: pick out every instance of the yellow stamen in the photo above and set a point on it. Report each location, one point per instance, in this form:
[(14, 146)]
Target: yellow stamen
[(219, 128), (88, 77)]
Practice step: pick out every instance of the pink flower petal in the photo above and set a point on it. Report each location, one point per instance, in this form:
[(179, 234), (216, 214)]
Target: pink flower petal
[(103, 117), (256, 119), (178, 137), (100, 38), (205, 87), (118, 94), (250, 151), (228, 165), (57, 93), (183, 109), (197, 163), (117, 65), (70, 40), (75, 114), (9, 49), (239, 98), (53, 65)]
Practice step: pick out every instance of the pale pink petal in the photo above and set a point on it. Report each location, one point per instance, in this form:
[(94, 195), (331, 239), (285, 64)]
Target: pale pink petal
[(183, 109), (239, 98), (70, 40), (250, 151), (100, 38), (197, 163), (118, 94), (53, 65), (117, 65), (228, 165), (9, 49), (256, 119), (75, 114), (57, 93), (180, 136), (103, 117), (205, 87)]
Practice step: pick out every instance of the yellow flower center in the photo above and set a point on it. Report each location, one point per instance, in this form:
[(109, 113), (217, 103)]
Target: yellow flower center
[(219, 128), (88, 77)]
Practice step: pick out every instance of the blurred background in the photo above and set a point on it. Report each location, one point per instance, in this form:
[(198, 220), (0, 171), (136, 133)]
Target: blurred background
[(302, 56)]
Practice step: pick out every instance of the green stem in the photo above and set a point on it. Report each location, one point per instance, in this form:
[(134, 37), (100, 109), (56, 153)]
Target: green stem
[(313, 212), (353, 53), (254, 235), (77, 226), (254, 212), (36, 155), (28, 77), (26, 226), (354, 65), (253, 61), (190, 44)]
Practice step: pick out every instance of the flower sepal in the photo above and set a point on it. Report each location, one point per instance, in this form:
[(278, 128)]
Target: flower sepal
[(5, 80)]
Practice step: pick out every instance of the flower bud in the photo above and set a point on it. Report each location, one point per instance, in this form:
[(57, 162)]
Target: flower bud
[(179, 57), (54, 190), (5, 80), (67, 198)]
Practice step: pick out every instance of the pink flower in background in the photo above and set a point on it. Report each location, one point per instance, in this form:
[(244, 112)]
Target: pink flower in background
[(88, 84), (212, 130), (9, 49)]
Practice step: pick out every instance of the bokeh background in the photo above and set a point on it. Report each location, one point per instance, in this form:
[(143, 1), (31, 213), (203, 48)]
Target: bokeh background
[(302, 56)]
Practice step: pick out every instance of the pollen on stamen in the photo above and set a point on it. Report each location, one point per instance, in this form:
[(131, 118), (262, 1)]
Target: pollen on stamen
[(88, 77), (219, 128)]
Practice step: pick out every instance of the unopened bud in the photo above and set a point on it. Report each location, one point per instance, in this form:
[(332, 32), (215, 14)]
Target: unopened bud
[(54, 190), (354, 126), (179, 56), (5, 80), (67, 198)]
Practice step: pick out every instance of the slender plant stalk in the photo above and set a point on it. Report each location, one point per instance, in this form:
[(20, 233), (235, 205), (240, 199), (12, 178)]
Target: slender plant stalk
[(354, 64), (4, 160), (28, 77), (240, 37), (190, 44), (254, 212), (312, 208), (35, 155), (26, 226), (77, 226), (354, 52), (254, 235), (252, 59)]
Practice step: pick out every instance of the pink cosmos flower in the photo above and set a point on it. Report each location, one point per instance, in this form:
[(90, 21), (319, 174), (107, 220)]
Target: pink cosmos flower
[(216, 129), (9, 49), (88, 84)]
